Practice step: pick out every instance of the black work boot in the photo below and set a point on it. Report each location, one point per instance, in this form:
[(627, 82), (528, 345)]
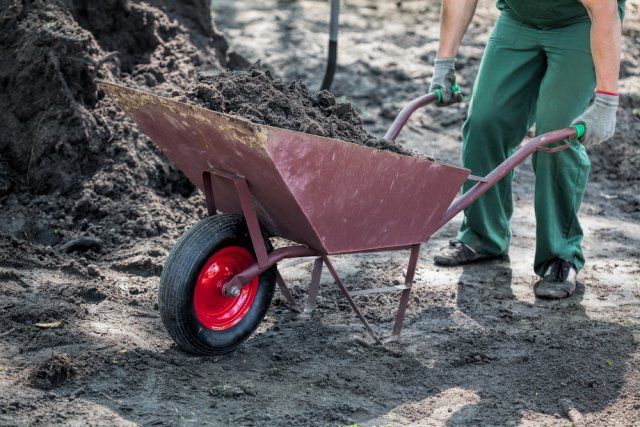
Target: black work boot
[(457, 253), (559, 280)]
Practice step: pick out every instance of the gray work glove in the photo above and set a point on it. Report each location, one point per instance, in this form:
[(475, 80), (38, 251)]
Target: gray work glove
[(444, 76), (599, 119)]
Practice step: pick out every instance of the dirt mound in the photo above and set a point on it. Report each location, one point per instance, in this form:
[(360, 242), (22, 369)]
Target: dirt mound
[(71, 164), (257, 96), (53, 372)]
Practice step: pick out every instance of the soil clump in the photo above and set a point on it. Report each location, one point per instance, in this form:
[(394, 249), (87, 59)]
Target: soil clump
[(256, 95), (52, 372)]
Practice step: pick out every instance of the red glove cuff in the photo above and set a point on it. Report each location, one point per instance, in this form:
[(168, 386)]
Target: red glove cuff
[(605, 92)]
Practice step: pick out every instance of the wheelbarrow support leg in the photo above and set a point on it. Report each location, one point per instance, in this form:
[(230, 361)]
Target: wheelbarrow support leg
[(352, 303), (282, 285), (315, 286), (406, 294)]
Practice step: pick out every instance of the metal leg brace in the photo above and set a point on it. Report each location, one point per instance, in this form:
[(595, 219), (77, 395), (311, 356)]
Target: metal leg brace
[(352, 303), (315, 286), (406, 293), (282, 285)]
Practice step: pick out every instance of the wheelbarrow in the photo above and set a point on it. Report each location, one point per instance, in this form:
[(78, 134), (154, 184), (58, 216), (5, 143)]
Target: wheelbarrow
[(327, 197)]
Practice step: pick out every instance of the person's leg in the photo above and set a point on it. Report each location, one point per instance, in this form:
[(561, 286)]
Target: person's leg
[(561, 177), (501, 112)]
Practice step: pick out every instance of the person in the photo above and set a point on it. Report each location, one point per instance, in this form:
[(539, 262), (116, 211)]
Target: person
[(544, 62)]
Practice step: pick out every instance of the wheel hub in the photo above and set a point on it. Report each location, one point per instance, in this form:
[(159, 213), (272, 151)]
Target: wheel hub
[(213, 308)]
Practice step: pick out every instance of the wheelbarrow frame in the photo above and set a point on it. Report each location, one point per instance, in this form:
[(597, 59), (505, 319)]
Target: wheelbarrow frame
[(267, 260)]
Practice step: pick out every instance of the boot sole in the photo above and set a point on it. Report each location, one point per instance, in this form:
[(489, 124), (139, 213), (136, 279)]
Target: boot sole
[(444, 263)]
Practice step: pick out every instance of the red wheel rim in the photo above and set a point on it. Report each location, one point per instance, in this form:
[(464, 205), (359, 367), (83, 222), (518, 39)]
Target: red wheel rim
[(215, 310)]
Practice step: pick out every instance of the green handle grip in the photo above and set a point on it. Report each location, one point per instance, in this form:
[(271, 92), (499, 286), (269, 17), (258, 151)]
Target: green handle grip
[(580, 129), (457, 93), (455, 89), (439, 93)]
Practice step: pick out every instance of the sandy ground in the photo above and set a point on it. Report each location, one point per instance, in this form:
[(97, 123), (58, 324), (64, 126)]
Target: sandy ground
[(477, 347)]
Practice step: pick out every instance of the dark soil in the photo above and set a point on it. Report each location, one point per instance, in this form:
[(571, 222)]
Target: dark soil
[(89, 209), (259, 97), (71, 164), (53, 372)]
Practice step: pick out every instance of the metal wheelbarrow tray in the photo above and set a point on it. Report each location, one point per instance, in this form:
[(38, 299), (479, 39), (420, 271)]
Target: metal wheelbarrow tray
[(328, 196)]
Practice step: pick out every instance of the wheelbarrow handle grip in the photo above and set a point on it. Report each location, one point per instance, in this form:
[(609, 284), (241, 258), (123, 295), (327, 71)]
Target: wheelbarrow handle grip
[(580, 129), (455, 89)]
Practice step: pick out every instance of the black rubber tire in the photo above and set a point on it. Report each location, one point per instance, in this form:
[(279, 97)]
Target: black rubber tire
[(178, 280)]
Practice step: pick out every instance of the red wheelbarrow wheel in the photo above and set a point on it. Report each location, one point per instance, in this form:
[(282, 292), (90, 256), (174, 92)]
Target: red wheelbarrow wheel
[(197, 315)]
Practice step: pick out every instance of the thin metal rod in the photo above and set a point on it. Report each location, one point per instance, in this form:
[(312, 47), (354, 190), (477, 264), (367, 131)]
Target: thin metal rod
[(273, 258), (554, 149), (503, 169), (287, 294), (293, 263), (406, 112), (334, 22), (352, 303), (315, 286), (375, 291), (333, 46), (406, 294), (477, 178)]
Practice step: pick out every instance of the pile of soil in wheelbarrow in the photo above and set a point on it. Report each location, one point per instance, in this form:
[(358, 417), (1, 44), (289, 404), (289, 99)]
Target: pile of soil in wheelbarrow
[(256, 95)]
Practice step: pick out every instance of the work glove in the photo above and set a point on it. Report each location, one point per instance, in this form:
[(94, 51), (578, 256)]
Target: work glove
[(599, 119), (444, 77)]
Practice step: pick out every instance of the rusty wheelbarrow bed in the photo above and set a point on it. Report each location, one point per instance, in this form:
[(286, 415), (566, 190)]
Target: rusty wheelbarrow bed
[(333, 196), (329, 196)]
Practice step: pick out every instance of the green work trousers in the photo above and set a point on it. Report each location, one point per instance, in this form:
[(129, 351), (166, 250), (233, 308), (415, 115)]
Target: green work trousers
[(529, 75)]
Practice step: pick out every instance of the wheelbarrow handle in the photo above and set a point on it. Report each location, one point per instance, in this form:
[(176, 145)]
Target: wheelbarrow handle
[(580, 130), (405, 114), (538, 143)]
